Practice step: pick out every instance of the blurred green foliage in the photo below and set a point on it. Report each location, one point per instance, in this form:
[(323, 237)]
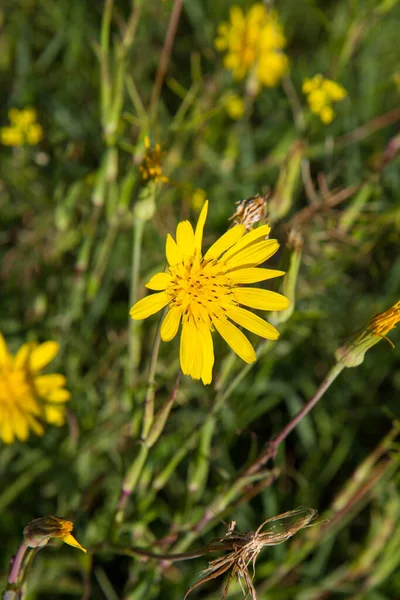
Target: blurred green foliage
[(66, 238)]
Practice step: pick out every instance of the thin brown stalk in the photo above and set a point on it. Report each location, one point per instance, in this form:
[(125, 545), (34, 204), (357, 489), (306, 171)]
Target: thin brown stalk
[(165, 55)]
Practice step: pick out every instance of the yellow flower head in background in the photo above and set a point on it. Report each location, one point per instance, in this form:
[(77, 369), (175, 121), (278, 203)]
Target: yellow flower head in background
[(26, 396), (23, 128), (234, 106), (254, 43), (206, 293), (151, 167), (321, 94), (39, 532)]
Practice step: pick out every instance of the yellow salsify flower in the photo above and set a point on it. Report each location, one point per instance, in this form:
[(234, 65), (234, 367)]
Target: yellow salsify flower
[(23, 128), (39, 532), (26, 396), (254, 43), (205, 293), (352, 353), (151, 167), (321, 93)]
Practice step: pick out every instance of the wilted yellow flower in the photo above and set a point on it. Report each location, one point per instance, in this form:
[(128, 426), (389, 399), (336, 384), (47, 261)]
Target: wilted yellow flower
[(26, 397), (23, 128), (39, 532), (151, 167), (352, 353), (250, 211), (254, 43), (206, 293), (235, 106), (321, 93)]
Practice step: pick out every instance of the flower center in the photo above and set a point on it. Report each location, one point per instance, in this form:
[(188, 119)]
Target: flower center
[(201, 288)]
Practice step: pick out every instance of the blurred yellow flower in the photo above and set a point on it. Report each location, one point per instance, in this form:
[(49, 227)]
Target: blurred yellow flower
[(151, 168), (23, 128), (235, 106), (39, 532), (321, 93), (26, 396), (198, 198), (206, 293), (254, 43)]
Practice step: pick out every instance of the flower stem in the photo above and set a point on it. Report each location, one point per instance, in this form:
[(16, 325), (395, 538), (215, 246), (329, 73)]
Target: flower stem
[(134, 326), (272, 446), (148, 414), (165, 55), (16, 564)]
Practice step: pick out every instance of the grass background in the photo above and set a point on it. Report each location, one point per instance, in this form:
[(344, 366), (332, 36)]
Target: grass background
[(67, 223)]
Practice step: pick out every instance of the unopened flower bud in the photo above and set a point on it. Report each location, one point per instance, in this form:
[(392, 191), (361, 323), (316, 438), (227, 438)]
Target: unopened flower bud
[(39, 531), (352, 353)]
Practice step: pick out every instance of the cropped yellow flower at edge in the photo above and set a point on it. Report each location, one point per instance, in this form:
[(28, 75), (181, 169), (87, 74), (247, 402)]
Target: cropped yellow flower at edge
[(23, 128), (28, 398), (39, 532), (205, 293), (254, 44), (321, 93)]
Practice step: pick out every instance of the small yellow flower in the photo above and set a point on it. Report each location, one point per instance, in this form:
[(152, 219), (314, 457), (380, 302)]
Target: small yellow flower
[(235, 106), (206, 293), (23, 128), (321, 93), (39, 532), (11, 136), (151, 167), (352, 353), (26, 396), (254, 43)]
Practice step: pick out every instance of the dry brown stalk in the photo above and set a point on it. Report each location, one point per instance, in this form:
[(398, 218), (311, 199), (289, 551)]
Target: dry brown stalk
[(244, 548)]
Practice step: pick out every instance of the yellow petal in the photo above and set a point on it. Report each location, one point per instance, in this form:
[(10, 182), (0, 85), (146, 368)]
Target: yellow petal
[(58, 395), (69, 539), (253, 255), (4, 356), (186, 353), (7, 431), (226, 241), (149, 306), (21, 358), (261, 299), (42, 355), (185, 238), (235, 339), (172, 252), (20, 425), (55, 415), (250, 238), (253, 274), (198, 354), (198, 234), (37, 427), (170, 324), (208, 355), (47, 383), (160, 281), (252, 322)]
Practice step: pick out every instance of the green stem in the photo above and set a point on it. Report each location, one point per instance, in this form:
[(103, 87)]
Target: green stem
[(134, 326), (148, 414)]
